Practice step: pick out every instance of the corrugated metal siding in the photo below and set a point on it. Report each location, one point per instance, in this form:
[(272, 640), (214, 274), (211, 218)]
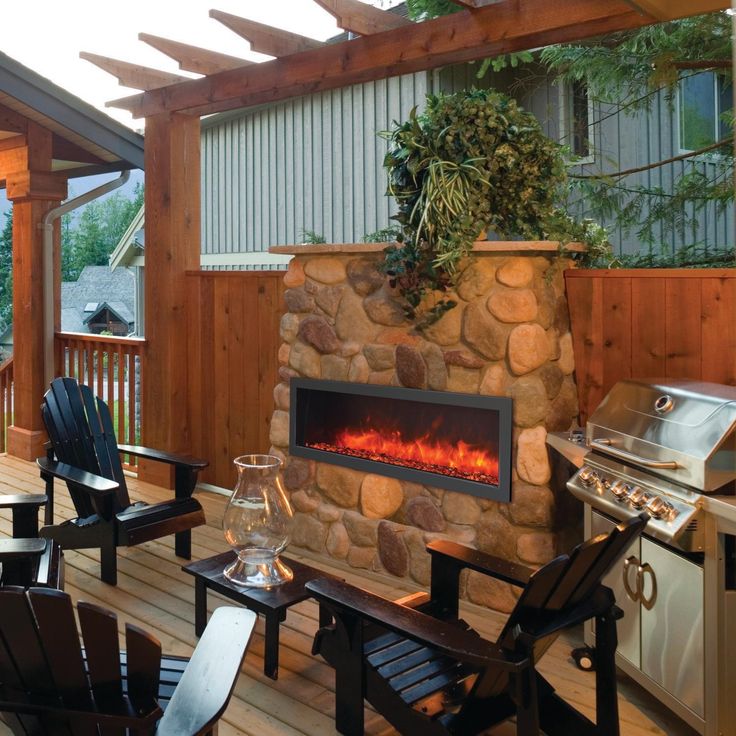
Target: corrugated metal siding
[(313, 163)]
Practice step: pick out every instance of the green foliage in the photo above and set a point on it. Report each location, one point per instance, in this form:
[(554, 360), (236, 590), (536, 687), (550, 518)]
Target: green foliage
[(90, 240), (626, 72), (472, 161), (385, 235), (6, 272), (625, 68), (309, 237), (691, 256), (427, 9)]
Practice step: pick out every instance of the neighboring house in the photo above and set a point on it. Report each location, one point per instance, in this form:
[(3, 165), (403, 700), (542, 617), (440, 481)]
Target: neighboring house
[(100, 300)]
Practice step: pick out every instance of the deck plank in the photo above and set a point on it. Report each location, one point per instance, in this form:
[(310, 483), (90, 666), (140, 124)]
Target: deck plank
[(154, 593)]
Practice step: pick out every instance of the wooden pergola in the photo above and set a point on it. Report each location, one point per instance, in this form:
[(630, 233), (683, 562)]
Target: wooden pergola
[(385, 45)]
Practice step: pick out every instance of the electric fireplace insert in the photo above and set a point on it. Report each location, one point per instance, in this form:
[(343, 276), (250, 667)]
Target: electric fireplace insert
[(460, 442)]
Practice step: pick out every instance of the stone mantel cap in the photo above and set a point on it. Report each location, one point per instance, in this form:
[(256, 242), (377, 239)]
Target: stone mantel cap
[(485, 246)]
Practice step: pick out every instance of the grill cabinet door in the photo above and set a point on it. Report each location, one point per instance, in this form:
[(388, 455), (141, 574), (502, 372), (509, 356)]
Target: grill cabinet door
[(672, 631), (628, 627)]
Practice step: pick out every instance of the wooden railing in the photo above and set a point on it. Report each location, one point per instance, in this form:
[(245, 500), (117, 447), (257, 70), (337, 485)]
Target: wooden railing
[(111, 367), (6, 400)]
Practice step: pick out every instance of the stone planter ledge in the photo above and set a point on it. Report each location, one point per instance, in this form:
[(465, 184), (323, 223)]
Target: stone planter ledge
[(481, 246)]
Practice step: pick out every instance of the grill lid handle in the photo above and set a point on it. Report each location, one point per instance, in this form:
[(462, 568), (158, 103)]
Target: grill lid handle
[(606, 446)]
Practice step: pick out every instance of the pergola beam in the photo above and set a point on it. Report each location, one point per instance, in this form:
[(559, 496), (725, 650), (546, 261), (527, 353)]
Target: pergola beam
[(133, 75), (465, 36), (193, 58), (365, 20), (266, 39)]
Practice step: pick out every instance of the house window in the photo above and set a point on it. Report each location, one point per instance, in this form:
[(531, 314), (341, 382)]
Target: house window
[(576, 120), (704, 99)]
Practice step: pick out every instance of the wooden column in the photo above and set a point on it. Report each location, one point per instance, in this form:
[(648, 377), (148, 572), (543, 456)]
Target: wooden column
[(33, 190), (172, 200)]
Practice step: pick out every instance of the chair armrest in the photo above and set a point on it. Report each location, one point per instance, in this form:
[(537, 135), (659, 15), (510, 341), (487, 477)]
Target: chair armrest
[(447, 638), (95, 484), (205, 687), (448, 561), (12, 549), (164, 457), (23, 499), (462, 556)]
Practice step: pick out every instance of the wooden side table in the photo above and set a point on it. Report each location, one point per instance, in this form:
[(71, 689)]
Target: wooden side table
[(271, 603)]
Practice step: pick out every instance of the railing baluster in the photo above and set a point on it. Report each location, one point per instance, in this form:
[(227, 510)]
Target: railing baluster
[(97, 361)]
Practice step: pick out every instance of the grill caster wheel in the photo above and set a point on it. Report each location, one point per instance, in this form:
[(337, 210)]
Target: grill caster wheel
[(584, 658)]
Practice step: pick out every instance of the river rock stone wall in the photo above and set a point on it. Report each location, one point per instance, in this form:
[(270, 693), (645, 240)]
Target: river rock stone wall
[(508, 336)]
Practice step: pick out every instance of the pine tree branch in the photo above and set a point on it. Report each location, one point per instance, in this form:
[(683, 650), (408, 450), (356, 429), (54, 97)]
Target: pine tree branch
[(655, 164)]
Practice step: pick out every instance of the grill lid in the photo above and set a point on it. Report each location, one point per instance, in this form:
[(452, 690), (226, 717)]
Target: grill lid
[(682, 430)]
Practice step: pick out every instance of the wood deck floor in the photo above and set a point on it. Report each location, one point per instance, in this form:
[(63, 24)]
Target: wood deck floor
[(155, 594)]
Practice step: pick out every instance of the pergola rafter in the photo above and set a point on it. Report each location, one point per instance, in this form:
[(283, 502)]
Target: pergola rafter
[(357, 17), (133, 75), (193, 58), (266, 39)]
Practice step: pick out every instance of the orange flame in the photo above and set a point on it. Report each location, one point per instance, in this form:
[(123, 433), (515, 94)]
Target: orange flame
[(461, 457)]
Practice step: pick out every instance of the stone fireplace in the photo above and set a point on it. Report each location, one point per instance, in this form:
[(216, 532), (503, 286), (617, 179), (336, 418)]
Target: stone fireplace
[(508, 337)]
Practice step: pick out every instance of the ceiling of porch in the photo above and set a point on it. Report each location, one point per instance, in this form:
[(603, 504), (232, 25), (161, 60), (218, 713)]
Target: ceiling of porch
[(85, 141)]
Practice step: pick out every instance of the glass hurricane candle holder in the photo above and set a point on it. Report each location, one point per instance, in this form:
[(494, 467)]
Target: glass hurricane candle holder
[(257, 523)]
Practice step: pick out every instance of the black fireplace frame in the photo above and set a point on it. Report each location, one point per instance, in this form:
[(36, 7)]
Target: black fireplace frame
[(502, 405)]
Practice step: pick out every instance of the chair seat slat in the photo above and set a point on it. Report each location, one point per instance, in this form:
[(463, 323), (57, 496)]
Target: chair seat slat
[(421, 655), (393, 652), (434, 684)]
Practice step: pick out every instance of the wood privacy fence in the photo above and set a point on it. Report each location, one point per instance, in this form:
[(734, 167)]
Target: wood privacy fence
[(233, 322), (669, 323)]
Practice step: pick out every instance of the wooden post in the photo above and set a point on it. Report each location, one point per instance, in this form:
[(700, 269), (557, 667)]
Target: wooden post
[(33, 190), (172, 200)]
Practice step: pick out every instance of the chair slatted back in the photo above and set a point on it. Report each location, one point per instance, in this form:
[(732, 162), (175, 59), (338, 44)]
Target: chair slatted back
[(81, 431), (41, 657), (568, 581)]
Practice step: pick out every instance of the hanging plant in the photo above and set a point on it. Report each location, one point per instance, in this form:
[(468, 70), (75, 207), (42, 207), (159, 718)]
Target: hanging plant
[(472, 161)]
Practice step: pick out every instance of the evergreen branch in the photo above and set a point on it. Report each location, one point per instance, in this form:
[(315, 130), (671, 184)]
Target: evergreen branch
[(656, 164)]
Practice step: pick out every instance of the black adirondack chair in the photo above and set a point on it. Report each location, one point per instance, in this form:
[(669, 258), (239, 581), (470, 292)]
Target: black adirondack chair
[(85, 454), (25, 559), (50, 685), (428, 673)]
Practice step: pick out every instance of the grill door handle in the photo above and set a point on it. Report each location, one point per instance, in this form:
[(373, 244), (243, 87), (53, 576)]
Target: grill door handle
[(631, 563), (641, 571), (606, 445)]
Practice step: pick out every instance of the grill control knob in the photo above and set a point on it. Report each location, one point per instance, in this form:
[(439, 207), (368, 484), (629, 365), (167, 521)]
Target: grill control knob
[(587, 476), (638, 497), (657, 507), (620, 490)]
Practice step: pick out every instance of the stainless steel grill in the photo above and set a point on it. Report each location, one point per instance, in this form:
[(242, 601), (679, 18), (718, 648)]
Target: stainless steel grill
[(659, 447), (669, 448)]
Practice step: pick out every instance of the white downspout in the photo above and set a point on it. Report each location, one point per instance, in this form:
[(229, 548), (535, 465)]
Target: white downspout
[(47, 224)]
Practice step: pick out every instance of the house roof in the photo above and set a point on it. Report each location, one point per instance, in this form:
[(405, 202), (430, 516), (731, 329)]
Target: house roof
[(101, 287), (86, 141), (129, 250), (119, 310)]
